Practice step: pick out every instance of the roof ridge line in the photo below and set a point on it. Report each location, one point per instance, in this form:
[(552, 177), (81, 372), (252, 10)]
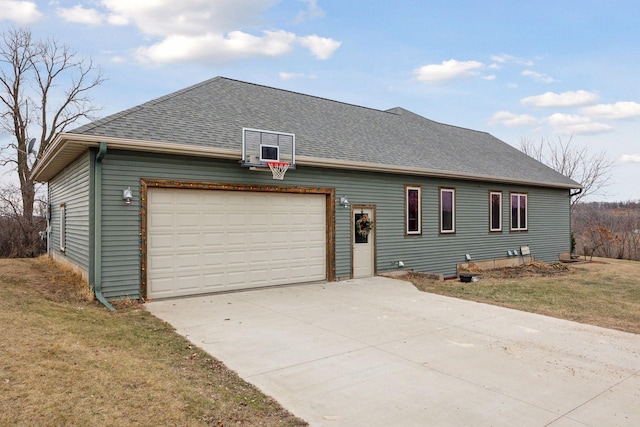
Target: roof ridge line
[(440, 123), (308, 96)]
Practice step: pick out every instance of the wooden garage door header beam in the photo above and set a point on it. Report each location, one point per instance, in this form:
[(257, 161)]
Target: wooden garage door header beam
[(145, 184)]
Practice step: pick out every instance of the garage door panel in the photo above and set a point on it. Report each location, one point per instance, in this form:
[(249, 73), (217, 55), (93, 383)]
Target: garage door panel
[(213, 280), (279, 219), (188, 283), (188, 241), (161, 241), (208, 240), (163, 287), (239, 219), (160, 219), (187, 220), (212, 241), (214, 261), (187, 260), (213, 219), (161, 261), (260, 237)]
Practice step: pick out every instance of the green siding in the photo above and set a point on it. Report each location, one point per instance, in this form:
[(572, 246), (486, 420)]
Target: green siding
[(430, 252), (71, 188)]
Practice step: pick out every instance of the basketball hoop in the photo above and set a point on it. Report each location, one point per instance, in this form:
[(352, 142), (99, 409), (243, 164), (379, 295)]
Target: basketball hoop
[(278, 169)]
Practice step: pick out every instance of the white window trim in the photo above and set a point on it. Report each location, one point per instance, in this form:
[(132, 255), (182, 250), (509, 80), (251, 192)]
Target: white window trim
[(63, 227), (491, 194), (526, 212), (453, 211), (406, 208)]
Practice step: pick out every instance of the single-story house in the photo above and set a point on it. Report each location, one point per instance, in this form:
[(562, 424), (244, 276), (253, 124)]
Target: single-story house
[(175, 196)]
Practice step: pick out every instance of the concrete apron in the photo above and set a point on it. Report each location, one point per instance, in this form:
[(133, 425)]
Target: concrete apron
[(377, 352)]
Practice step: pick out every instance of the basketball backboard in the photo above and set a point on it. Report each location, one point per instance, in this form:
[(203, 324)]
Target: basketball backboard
[(259, 147)]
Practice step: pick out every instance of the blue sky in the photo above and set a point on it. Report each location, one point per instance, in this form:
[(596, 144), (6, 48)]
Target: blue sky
[(543, 69)]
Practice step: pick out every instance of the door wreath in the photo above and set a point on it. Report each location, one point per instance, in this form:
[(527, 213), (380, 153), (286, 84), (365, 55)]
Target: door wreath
[(364, 225)]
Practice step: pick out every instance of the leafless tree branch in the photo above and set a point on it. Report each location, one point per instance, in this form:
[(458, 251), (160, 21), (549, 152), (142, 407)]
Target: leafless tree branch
[(44, 89), (591, 170)]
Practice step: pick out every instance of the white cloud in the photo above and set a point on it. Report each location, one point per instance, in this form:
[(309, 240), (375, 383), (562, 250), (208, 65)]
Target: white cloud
[(288, 76), (219, 48), (619, 110), (503, 58), (630, 158), (508, 119), (118, 20), (575, 124), (313, 11), (189, 17), (490, 77), (20, 12), (197, 30), (320, 47), (448, 70), (80, 15), (564, 99), (539, 77)]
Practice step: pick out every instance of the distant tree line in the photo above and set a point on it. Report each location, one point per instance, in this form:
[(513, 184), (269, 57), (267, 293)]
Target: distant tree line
[(607, 229)]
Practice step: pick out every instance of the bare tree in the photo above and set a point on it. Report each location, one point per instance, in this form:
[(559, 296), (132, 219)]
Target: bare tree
[(19, 238), (44, 89), (592, 171)]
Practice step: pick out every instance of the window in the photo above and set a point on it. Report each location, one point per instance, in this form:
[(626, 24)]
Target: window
[(518, 212), (413, 209), (447, 210), (495, 211), (359, 238), (63, 226)]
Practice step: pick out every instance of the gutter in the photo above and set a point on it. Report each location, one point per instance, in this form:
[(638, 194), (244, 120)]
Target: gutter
[(97, 235), (76, 143)]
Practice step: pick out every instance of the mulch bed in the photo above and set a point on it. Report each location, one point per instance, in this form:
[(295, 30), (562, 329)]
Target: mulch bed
[(530, 269)]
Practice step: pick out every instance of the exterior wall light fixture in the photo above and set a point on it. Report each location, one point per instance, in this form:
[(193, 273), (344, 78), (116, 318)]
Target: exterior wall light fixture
[(127, 196), (344, 202)]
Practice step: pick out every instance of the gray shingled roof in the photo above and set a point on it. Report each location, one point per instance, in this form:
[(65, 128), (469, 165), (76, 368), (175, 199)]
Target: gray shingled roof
[(213, 113)]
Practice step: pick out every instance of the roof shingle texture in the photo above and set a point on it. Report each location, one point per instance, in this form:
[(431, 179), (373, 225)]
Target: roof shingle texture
[(213, 113)]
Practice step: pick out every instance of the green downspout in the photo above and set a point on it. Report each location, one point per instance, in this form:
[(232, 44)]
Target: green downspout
[(97, 237)]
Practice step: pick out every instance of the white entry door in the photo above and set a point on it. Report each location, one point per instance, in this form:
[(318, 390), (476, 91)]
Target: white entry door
[(363, 242)]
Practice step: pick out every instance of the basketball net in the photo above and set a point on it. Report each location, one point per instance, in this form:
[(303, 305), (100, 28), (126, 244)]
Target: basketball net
[(278, 169)]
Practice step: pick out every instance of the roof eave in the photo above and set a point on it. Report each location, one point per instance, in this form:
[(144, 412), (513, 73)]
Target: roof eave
[(374, 167), (67, 147)]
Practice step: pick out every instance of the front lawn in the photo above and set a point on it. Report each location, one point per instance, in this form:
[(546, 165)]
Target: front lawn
[(604, 293), (66, 360)]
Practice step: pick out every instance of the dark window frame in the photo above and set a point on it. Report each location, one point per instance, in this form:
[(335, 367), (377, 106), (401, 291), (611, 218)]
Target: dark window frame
[(412, 214), (443, 215), (63, 227), (493, 215)]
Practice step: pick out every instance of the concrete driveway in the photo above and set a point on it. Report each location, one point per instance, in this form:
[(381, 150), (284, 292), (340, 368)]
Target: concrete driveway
[(377, 352)]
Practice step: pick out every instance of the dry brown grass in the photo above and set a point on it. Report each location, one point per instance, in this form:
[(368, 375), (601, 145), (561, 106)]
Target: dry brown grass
[(604, 293), (66, 360)]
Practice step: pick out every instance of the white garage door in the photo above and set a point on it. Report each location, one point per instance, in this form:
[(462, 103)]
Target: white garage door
[(201, 241)]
